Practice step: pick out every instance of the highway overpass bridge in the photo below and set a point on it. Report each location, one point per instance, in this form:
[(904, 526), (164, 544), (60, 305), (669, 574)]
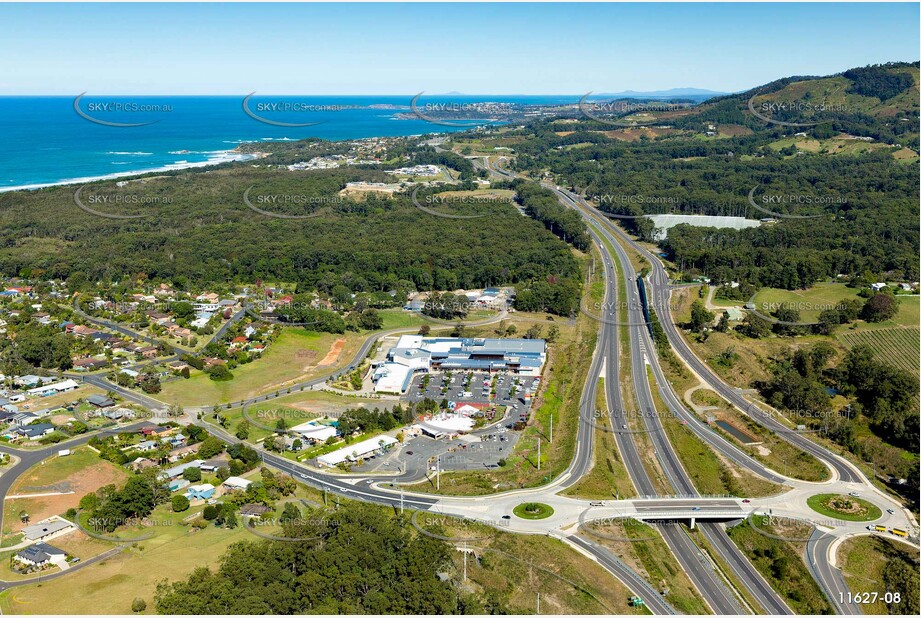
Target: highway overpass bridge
[(659, 509)]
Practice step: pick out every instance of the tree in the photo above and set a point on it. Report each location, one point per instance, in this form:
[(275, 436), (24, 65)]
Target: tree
[(290, 513), (193, 475), (219, 372), (210, 447), (754, 326), (723, 325), (700, 317), (180, 503), (138, 605), (552, 333), (880, 307), (424, 330)]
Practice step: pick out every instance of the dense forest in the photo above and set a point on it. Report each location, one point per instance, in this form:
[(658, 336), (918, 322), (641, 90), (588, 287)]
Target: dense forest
[(853, 214), (197, 230), (361, 561)]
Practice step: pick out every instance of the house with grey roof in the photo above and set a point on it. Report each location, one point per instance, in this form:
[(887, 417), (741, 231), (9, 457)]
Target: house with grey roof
[(40, 554)]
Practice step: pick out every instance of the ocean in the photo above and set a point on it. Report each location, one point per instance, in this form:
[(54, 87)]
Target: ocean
[(46, 141)]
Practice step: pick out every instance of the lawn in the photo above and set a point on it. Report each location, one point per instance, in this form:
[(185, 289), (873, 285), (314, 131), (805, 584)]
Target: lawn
[(847, 508), (533, 510), (709, 473), (810, 303), (608, 477), (515, 567), (296, 355), (79, 473), (296, 408)]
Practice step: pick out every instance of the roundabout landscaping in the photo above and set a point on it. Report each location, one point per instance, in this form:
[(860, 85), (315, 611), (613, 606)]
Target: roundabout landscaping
[(533, 510), (848, 508)]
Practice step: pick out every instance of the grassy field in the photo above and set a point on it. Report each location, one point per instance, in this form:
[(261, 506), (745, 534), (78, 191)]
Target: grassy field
[(295, 356), (863, 559), (504, 566), (647, 553), (781, 564), (77, 474), (898, 347), (810, 303), (709, 473), (848, 508), (296, 408), (608, 477), (751, 364)]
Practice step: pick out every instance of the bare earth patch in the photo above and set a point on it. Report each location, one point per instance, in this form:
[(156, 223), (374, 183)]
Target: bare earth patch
[(81, 483), (334, 351)]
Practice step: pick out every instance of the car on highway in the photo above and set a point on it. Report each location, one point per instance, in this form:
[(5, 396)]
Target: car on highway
[(409, 452), (506, 517), (890, 511), (854, 494), (746, 501), (696, 508)]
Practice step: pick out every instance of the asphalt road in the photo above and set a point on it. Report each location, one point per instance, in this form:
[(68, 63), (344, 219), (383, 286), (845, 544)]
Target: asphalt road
[(642, 353), (817, 559)]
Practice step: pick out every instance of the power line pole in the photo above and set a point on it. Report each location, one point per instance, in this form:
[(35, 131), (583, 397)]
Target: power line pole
[(401, 500), (465, 560), (538, 454), (551, 429), (438, 472)]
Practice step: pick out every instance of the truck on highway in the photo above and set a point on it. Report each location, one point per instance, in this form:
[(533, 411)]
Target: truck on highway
[(899, 532)]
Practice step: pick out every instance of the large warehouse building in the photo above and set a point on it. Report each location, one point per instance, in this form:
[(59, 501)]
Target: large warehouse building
[(415, 353)]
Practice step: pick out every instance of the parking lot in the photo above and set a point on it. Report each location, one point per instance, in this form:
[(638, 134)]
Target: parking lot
[(500, 388)]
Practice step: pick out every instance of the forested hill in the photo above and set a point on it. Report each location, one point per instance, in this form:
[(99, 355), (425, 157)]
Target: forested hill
[(194, 227), (837, 190), (879, 101)]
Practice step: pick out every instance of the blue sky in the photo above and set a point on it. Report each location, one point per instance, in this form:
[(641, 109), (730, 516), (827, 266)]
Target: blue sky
[(407, 48)]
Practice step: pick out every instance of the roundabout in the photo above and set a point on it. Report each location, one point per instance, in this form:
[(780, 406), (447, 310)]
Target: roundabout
[(533, 510), (848, 508)]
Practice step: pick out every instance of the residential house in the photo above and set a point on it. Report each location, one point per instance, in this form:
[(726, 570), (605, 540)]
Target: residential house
[(235, 483), (100, 401), (34, 432), (148, 351), (23, 418), (40, 554), (55, 526), (183, 452), (176, 471), (177, 484), (204, 491), (82, 332), (89, 364)]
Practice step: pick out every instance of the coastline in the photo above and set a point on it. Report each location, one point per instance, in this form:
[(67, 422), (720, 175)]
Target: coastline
[(218, 157)]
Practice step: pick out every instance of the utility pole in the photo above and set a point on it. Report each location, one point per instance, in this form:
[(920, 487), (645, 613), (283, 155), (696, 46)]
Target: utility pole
[(538, 454), (551, 429), (438, 472), (401, 500), (465, 560), (538, 603)]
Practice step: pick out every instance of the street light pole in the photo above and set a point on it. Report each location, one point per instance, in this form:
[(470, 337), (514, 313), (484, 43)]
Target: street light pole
[(538, 454)]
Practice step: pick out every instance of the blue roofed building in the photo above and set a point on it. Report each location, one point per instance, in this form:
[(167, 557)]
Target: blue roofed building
[(414, 354)]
